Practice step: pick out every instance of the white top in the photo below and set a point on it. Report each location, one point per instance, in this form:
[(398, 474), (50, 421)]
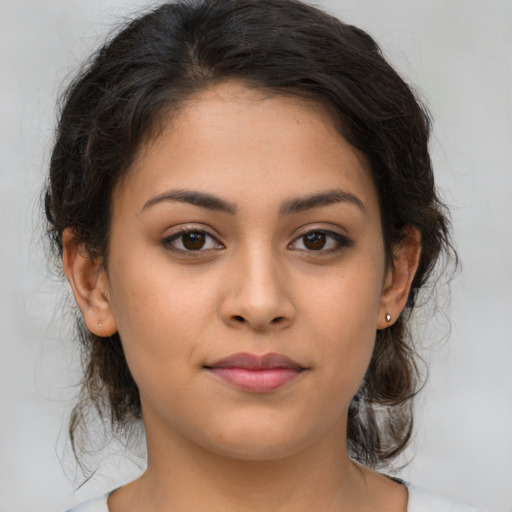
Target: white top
[(420, 500)]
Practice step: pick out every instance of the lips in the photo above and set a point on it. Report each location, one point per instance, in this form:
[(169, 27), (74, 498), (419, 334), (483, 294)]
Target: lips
[(255, 373)]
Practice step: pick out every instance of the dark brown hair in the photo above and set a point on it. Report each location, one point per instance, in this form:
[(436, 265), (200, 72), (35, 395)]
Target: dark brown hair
[(285, 47)]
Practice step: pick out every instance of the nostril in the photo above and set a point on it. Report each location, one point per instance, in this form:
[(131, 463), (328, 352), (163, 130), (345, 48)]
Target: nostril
[(278, 319), (239, 318)]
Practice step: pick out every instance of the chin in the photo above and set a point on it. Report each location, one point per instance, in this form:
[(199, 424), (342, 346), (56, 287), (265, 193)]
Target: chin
[(258, 451), (260, 442)]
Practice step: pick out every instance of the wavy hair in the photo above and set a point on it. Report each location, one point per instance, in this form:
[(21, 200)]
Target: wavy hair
[(160, 59)]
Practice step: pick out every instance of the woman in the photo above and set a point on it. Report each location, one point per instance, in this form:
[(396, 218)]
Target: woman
[(243, 200)]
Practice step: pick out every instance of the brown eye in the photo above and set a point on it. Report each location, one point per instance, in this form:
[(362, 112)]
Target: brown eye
[(193, 241), (314, 240), (321, 241)]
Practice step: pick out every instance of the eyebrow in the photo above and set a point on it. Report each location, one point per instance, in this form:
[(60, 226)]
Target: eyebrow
[(194, 197), (324, 198), (289, 207)]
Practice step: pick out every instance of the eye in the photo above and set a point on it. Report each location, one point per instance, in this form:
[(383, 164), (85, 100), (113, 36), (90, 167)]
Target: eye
[(320, 240), (190, 240)]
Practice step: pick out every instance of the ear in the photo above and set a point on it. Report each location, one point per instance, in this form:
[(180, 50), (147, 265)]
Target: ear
[(89, 283), (399, 277)]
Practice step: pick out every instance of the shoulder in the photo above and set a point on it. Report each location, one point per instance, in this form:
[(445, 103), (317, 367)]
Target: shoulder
[(95, 505), (421, 500)]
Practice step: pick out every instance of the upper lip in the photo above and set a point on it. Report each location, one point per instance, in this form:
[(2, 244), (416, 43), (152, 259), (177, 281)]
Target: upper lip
[(255, 362)]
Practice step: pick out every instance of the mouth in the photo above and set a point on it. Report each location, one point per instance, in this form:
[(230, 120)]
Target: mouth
[(254, 373)]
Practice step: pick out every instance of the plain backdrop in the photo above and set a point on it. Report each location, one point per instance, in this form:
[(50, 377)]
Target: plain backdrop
[(458, 54)]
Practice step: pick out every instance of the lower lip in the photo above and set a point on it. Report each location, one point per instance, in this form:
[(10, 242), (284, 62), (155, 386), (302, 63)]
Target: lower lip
[(256, 381)]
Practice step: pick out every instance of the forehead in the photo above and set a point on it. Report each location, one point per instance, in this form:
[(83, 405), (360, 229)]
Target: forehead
[(242, 143)]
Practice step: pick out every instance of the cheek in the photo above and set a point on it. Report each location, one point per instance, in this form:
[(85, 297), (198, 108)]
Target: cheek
[(159, 319), (344, 316), (347, 302)]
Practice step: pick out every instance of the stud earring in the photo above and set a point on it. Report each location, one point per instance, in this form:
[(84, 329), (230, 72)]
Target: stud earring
[(388, 317), (100, 324)]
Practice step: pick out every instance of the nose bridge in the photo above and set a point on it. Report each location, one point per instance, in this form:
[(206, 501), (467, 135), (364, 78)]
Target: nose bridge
[(260, 284), (258, 295)]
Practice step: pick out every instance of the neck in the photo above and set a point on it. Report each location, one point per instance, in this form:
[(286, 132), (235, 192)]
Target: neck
[(182, 475)]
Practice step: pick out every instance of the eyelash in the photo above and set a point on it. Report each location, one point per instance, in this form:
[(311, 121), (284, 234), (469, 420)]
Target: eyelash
[(336, 239), (169, 242)]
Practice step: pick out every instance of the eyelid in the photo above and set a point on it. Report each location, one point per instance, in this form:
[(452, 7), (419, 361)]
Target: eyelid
[(175, 235), (342, 240)]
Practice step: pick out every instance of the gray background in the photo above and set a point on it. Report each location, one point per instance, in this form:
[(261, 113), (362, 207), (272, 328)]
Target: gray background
[(459, 54)]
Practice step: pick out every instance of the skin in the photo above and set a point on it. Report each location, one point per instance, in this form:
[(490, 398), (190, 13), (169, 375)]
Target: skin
[(255, 286)]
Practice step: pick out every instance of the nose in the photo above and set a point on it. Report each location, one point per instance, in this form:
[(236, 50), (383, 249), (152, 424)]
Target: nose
[(257, 294)]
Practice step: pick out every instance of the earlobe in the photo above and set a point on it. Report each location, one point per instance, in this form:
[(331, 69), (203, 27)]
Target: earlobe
[(401, 272), (88, 281)]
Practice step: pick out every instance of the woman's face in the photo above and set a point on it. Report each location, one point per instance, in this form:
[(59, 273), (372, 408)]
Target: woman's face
[(245, 275)]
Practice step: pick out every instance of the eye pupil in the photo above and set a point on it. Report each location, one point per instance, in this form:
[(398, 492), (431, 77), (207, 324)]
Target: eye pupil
[(315, 241), (193, 241)]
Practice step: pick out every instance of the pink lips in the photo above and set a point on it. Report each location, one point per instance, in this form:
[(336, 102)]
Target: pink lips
[(256, 374)]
